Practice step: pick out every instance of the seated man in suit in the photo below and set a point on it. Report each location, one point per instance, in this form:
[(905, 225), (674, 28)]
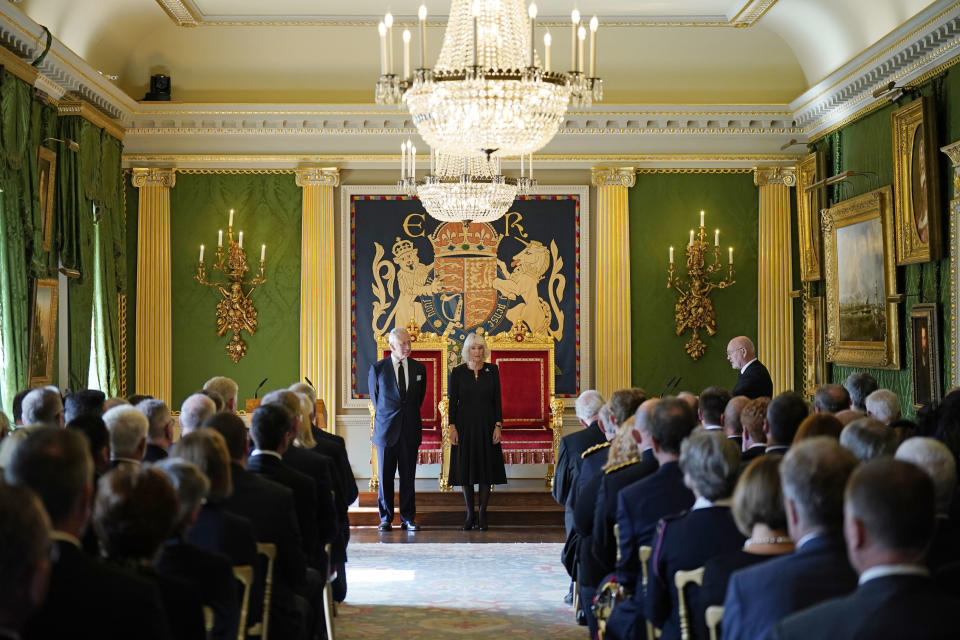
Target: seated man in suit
[(813, 474), (160, 429), (868, 438), (128, 434), (24, 557), (710, 407), (754, 379), (43, 406), (226, 389), (784, 415), (82, 403), (194, 410), (730, 420), (753, 417), (859, 385), (831, 398), (888, 524)]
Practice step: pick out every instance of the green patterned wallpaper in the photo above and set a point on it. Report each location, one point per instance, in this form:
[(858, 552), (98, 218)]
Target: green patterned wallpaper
[(663, 209), (268, 211)]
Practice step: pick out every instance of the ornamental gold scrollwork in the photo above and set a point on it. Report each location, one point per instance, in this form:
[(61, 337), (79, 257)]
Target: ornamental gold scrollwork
[(786, 176), (613, 177), (315, 176), (154, 178)]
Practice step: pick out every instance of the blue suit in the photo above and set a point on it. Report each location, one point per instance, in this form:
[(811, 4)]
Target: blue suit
[(397, 432), (760, 596)]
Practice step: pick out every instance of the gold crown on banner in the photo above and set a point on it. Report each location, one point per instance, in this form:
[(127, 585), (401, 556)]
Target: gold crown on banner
[(454, 239), (401, 247)]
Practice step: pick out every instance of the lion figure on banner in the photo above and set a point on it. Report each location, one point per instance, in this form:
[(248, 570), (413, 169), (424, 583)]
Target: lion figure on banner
[(530, 265), (413, 280)]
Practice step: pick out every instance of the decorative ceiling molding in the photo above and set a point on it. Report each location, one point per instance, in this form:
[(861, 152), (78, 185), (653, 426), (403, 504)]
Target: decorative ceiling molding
[(929, 39), (179, 12)]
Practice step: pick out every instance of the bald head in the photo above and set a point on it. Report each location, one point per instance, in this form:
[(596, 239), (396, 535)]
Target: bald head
[(740, 351), (194, 410), (731, 415)]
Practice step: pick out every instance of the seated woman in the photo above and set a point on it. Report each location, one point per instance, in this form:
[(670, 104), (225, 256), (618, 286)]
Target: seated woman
[(476, 418), (709, 462), (758, 512)]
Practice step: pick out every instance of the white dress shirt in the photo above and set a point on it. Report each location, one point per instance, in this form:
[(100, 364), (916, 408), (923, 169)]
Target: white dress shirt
[(744, 367), (884, 570), (396, 370)]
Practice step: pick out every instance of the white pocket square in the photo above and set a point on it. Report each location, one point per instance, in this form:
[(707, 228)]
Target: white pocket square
[(419, 378)]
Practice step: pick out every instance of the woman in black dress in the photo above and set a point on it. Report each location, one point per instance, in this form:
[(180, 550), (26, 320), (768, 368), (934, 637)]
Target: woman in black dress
[(475, 421)]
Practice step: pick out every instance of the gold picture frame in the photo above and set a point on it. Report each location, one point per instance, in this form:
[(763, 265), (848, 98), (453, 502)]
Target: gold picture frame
[(46, 181), (861, 282), (809, 203), (915, 183), (925, 353), (43, 331), (815, 373)]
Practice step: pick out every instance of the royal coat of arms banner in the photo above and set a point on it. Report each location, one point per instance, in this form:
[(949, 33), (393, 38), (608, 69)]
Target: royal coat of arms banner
[(407, 269)]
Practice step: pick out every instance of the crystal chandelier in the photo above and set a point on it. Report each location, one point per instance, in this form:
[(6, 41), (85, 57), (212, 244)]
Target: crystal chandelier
[(460, 188), (488, 92)]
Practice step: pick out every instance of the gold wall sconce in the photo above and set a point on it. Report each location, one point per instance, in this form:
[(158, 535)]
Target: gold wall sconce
[(694, 309), (235, 312)]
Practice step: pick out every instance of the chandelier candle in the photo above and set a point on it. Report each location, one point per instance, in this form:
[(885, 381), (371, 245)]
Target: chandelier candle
[(403, 160), (575, 20), (594, 23), (382, 28), (422, 15), (581, 36), (547, 41), (476, 29), (533, 29), (406, 53), (388, 20)]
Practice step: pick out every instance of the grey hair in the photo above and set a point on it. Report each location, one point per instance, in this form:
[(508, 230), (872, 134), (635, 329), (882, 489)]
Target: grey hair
[(710, 462), (884, 405), (191, 483), (41, 406), (868, 438), (158, 415), (194, 410), (473, 338), (814, 473), (604, 416), (223, 387), (305, 389), (127, 427), (395, 334), (859, 385), (588, 404), (937, 461)]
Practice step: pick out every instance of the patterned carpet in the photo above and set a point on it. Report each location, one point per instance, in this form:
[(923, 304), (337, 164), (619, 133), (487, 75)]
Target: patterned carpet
[(428, 591)]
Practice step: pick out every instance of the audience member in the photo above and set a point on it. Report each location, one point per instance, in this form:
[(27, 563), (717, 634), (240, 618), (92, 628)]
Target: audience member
[(935, 458), (84, 594), (24, 558), (860, 385), (753, 417), (4, 425), (84, 402), (110, 403), (712, 403), (10, 444), (134, 512), (710, 464), (759, 514), (732, 425), (819, 424), (888, 524), (43, 406), (883, 405), (218, 402), (784, 415), (813, 475), (194, 410), (227, 389), (691, 399), (867, 438), (903, 429), (849, 415), (570, 452), (128, 434), (831, 398), (159, 431), (137, 398), (210, 572), (98, 438), (753, 379), (18, 407)]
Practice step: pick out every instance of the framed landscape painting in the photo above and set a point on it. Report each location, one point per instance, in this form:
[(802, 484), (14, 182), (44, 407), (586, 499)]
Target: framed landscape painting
[(43, 331), (46, 178), (925, 353), (915, 183), (809, 204), (860, 268)]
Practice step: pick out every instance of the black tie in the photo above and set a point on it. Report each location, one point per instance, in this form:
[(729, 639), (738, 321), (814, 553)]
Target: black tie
[(402, 381)]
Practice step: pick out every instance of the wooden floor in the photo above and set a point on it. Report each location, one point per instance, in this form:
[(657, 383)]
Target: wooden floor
[(521, 511)]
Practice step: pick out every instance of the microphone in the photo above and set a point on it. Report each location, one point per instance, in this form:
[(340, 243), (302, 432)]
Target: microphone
[(666, 386), (676, 384), (259, 386), (309, 383)]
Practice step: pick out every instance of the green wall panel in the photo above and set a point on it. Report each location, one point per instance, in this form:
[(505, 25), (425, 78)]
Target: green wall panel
[(268, 211), (663, 209)]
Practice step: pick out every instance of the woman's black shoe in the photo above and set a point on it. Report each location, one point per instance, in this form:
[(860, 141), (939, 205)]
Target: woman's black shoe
[(482, 522), (468, 524)]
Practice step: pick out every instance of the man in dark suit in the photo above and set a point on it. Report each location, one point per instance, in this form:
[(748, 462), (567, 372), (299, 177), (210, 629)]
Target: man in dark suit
[(784, 415), (398, 385), (754, 379), (730, 420), (888, 524), (85, 402), (160, 431), (813, 474), (24, 556), (84, 594)]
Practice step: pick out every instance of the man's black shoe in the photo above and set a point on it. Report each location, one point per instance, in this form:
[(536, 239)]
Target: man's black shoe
[(384, 526), (568, 599), (410, 526)]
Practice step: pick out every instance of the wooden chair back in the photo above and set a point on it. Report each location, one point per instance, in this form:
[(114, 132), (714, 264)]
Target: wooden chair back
[(329, 610), (208, 619), (244, 575), (261, 629), (714, 616), (681, 579), (645, 553)]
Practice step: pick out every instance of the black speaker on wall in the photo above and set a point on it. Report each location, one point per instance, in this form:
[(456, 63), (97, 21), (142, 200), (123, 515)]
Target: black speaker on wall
[(159, 88)]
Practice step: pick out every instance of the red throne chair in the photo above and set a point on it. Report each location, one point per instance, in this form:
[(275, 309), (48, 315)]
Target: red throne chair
[(430, 349), (532, 415)]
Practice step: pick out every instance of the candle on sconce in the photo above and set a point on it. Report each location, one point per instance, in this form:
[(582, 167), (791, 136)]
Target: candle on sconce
[(422, 14), (201, 253), (701, 218), (581, 36), (406, 53), (263, 252), (219, 238), (691, 237), (532, 11), (231, 218), (594, 24), (382, 28), (241, 239), (388, 21), (671, 255), (547, 41), (731, 257), (575, 22), (716, 238)]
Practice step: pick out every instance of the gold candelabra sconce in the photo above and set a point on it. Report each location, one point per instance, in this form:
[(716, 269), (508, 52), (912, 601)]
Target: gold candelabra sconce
[(235, 311), (694, 309)]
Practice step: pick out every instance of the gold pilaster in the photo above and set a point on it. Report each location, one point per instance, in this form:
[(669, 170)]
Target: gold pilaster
[(318, 293), (953, 152), (612, 317), (153, 347), (774, 304)]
